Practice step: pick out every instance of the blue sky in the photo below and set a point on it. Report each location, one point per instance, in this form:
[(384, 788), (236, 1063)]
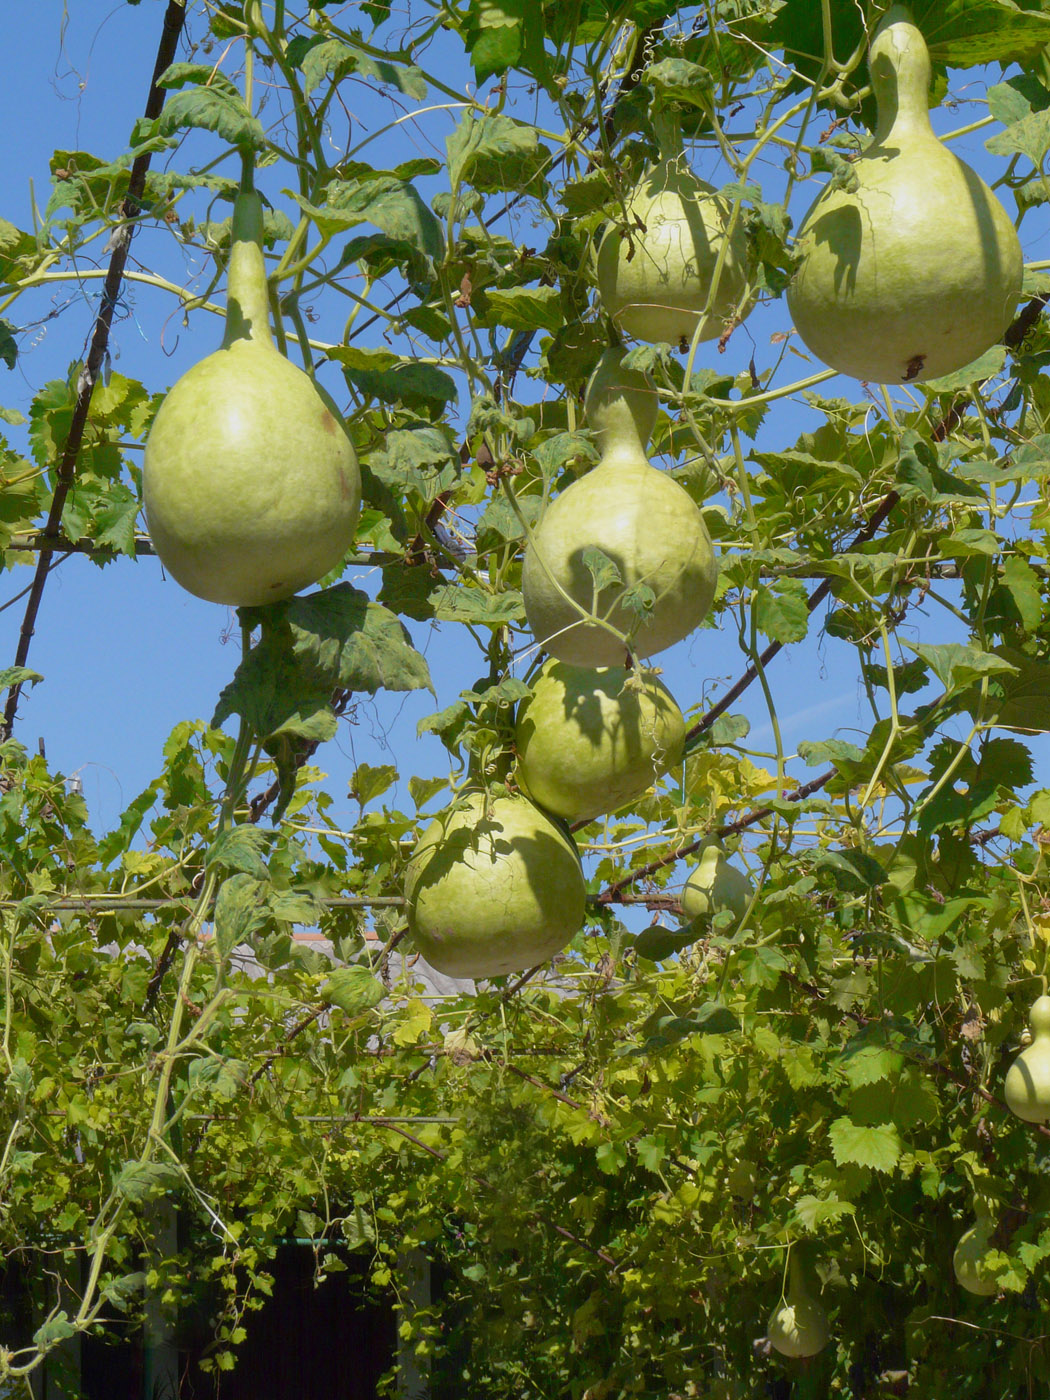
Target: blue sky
[(127, 654)]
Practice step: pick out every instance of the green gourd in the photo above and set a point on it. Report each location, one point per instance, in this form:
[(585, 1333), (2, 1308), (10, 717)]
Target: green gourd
[(798, 1325), (1027, 1087), (638, 517), (969, 1260), (251, 483), (917, 270), (715, 885), (655, 275), (590, 741), (493, 886)]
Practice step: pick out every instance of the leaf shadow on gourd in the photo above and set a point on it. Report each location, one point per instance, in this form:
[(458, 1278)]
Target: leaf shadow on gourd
[(471, 848)]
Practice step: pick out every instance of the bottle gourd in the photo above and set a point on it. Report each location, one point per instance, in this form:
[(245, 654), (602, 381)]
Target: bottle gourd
[(492, 887), (970, 1259), (655, 276), (590, 741), (641, 519), (917, 270), (798, 1325), (1027, 1087), (714, 886), (251, 483)]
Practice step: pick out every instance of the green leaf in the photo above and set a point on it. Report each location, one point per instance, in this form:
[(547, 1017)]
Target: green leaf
[(369, 783), (331, 58), (340, 638), (853, 870), (657, 944), (987, 366), (493, 152), (1029, 137), (311, 646), (1025, 589), (56, 1329), (18, 675), (811, 1212), (463, 603), (240, 848), (679, 80), (877, 1147), (240, 910), (780, 611), (836, 751), (211, 109), (139, 1182), (956, 665), (353, 990), (404, 383), (393, 205), (179, 75), (870, 1064), (8, 344), (521, 308), (123, 1291)]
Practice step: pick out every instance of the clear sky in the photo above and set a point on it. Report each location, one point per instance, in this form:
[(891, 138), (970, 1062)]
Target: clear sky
[(126, 653)]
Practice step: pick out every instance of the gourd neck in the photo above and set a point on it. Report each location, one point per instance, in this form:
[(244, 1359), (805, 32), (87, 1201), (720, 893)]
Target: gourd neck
[(621, 407), (899, 62), (797, 1289), (247, 295)]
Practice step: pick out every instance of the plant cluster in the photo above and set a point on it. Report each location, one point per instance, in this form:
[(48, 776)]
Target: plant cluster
[(726, 1155)]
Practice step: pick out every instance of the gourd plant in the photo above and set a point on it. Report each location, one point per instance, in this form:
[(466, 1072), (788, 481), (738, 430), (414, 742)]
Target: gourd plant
[(606, 1159)]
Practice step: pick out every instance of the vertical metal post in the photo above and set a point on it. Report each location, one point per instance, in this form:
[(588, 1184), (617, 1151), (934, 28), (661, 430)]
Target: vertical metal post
[(160, 1370), (413, 1284)]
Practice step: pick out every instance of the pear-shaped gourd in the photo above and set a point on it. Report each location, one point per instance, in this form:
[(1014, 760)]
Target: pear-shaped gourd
[(251, 484), (798, 1325), (1027, 1087), (493, 886), (590, 741), (970, 1259), (639, 518), (655, 276), (715, 885), (916, 271)]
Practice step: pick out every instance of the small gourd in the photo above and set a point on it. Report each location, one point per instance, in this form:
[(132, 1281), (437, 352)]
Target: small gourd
[(251, 483), (655, 275), (590, 741), (798, 1325), (915, 271), (640, 518), (715, 885), (969, 1260), (493, 886), (1027, 1087)]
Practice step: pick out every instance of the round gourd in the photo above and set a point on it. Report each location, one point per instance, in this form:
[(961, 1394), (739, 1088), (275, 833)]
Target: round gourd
[(970, 1260), (798, 1325), (638, 517), (251, 484), (1027, 1087), (917, 270), (655, 276), (716, 885), (493, 887), (590, 741)]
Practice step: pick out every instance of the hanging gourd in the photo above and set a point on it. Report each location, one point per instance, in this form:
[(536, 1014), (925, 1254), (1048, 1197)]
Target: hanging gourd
[(1027, 1087), (798, 1325), (590, 741), (640, 519), (493, 886), (715, 886), (251, 484), (970, 1259), (656, 267), (916, 270)]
